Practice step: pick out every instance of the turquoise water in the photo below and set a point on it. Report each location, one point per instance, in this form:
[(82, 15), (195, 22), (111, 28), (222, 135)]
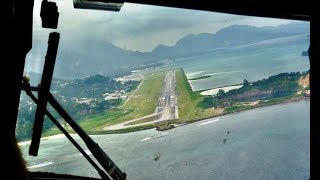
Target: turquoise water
[(254, 62), (265, 143)]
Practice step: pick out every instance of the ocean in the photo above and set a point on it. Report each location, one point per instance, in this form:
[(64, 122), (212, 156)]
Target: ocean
[(265, 143), (252, 62)]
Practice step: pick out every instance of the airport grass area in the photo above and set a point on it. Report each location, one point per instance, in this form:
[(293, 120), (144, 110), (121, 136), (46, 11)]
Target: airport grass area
[(144, 100), (188, 100), (110, 116), (141, 103)]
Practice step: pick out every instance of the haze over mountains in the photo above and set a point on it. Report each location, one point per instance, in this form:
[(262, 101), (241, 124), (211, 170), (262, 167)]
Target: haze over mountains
[(77, 59), (231, 36)]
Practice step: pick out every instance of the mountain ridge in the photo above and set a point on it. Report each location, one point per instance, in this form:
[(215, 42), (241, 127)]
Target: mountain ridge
[(80, 58), (230, 36)]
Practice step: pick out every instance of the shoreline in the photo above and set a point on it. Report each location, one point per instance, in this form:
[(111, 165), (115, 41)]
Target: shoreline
[(171, 123), (214, 91), (186, 122), (56, 136), (206, 113), (220, 87)]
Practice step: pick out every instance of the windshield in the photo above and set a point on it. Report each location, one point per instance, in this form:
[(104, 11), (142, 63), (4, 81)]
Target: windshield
[(175, 94)]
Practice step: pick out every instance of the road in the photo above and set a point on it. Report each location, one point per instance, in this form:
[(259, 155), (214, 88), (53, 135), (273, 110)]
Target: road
[(132, 94), (167, 108)]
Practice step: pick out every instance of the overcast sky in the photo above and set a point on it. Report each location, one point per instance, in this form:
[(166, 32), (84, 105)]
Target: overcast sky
[(139, 27)]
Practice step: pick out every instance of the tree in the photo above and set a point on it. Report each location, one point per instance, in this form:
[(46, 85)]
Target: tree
[(207, 102), (220, 94), (245, 82)]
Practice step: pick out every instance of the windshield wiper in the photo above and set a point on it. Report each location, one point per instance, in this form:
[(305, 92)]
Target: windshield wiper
[(45, 96)]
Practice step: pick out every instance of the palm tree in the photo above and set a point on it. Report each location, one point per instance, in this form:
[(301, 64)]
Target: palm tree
[(220, 94), (245, 82)]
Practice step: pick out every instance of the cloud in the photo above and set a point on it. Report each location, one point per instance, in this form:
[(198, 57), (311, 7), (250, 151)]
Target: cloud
[(139, 27)]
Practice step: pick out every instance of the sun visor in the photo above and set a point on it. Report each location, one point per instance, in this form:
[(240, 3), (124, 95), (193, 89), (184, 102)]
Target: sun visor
[(98, 5)]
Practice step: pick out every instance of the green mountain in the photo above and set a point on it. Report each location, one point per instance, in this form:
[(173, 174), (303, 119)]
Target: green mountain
[(81, 58)]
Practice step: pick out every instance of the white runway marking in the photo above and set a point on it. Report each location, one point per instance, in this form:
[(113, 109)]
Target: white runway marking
[(154, 137), (208, 122), (40, 165)]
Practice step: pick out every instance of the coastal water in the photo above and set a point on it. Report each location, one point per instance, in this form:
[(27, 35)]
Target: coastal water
[(251, 62), (264, 143)]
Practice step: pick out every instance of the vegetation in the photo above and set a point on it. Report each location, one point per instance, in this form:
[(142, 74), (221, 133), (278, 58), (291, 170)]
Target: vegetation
[(187, 99), (209, 102), (145, 100), (165, 126), (52, 132), (237, 108), (99, 120), (100, 132), (284, 89), (192, 105), (26, 114), (141, 103), (82, 98), (281, 85), (245, 82), (189, 110)]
